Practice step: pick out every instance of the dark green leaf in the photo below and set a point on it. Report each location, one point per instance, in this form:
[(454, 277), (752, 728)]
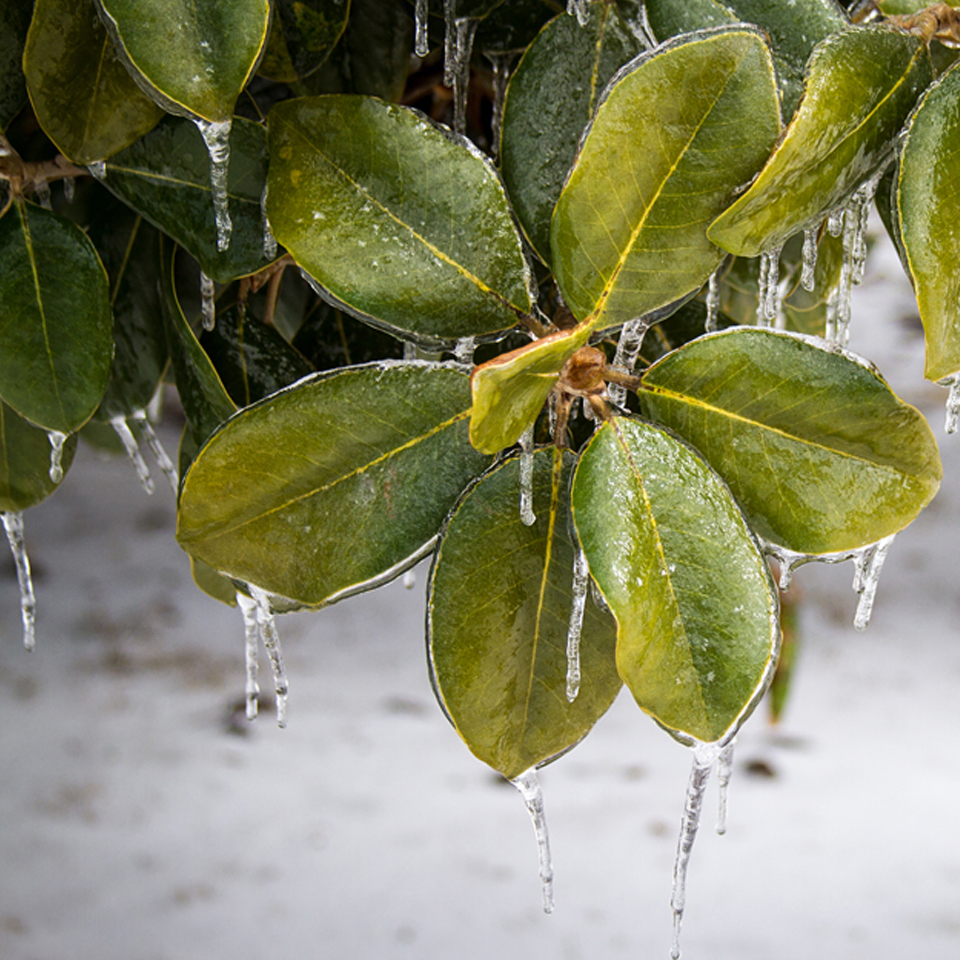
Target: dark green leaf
[(498, 612), (302, 36), (330, 338), (514, 24), (14, 23)]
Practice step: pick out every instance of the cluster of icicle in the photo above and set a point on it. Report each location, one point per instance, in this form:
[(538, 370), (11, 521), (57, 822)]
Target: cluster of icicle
[(260, 627)]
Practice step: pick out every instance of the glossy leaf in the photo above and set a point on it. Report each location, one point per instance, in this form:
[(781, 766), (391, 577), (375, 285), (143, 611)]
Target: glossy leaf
[(861, 86), (83, 96), (56, 332), (14, 23), (514, 24), (550, 99), (498, 611), (356, 198), (212, 584), (25, 462), (928, 220), (817, 449), (697, 614), (654, 169), (165, 176), (193, 58), (510, 390), (302, 36), (340, 480)]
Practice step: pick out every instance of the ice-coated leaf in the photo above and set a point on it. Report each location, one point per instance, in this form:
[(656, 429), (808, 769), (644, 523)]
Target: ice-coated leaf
[(165, 176), (655, 168), (14, 23), (550, 99), (340, 480), (498, 611), (212, 584), (302, 36), (56, 332), (861, 85), (697, 613), (928, 220), (83, 96), (818, 450), (25, 462), (192, 58), (404, 224), (510, 390)]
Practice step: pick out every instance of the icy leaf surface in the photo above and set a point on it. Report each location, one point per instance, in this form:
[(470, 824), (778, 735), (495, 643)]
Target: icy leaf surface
[(817, 449), (656, 167), (696, 610), (861, 85), (497, 618), (334, 482), (356, 198)]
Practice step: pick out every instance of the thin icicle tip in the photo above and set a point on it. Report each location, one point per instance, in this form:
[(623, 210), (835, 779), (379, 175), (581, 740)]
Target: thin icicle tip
[(528, 783)]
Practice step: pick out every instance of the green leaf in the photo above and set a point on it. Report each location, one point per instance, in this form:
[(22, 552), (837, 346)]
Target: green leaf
[(656, 167), (330, 338), (861, 86), (356, 198), (212, 584), (14, 23), (56, 332), (498, 612), (165, 176), (697, 614), (83, 96), (550, 99), (514, 24), (25, 462), (192, 58), (928, 218), (302, 36), (333, 485), (510, 390), (817, 449)]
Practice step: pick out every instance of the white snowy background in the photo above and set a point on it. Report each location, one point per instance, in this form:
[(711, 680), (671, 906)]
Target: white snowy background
[(142, 818)]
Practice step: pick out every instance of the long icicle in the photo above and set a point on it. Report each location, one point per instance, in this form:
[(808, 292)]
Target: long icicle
[(713, 301), (216, 136), (625, 358), (527, 516), (501, 74), (156, 448), (529, 786), (466, 29), (122, 429), (868, 582), (13, 525), (724, 773), (251, 636), (208, 306), (808, 277), (271, 643), (581, 577), (953, 405)]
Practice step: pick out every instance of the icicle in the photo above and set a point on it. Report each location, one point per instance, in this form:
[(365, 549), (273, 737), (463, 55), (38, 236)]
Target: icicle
[(421, 42), (449, 42), (208, 306), (13, 525), (704, 756), (581, 576), (844, 289), (529, 786), (501, 74), (57, 440), (98, 169), (217, 138), (409, 351), (579, 9), (713, 301), (68, 189), (466, 29), (269, 240), (830, 324), (628, 349), (953, 404), (251, 633), (42, 190), (869, 577), (463, 351), (527, 516), (808, 277), (129, 441), (271, 643), (768, 291), (724, 772), (156, 448), (863, 198), (835, 222), (410, 579)]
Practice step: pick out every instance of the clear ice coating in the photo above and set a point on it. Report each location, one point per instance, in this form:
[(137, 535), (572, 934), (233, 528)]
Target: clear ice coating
[(98, 169), (421, 40), (527, 516), (578, 591), (529, 786), (466, 29), (269, 240), (156, 448), (251, 633), (953, 404), (217, 138), (808, 275), (768, 289), (579, 9), (713, 301), (866, 579), (724, 772), (129, 441), (271, 643), (208, 307), (57, 440), (625, 358), (704, 757), (13, 525), (463, 351), (69, 185)]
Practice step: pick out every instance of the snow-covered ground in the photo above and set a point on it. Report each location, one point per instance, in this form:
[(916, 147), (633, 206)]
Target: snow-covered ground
[(142, 818)]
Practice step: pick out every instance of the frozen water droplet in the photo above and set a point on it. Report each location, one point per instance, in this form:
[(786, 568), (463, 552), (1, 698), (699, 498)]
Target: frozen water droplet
[(271, 643), (409, 351), (704, 757), (98, 169), (69, 184), (578, 591), (13, 525), (57, 440), (713, 301), (808, 276), (208, 307), (625, 358), (251, 634), (501, 74), (42, 190), (129, 441), (269, 240), (527, 516), (953, 404), (216, 136), (724, 772), (529, 786), (579, 9), (156, 448), (869, 577), (410, 579), (463, 351), (421, 41), (835, 222)]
